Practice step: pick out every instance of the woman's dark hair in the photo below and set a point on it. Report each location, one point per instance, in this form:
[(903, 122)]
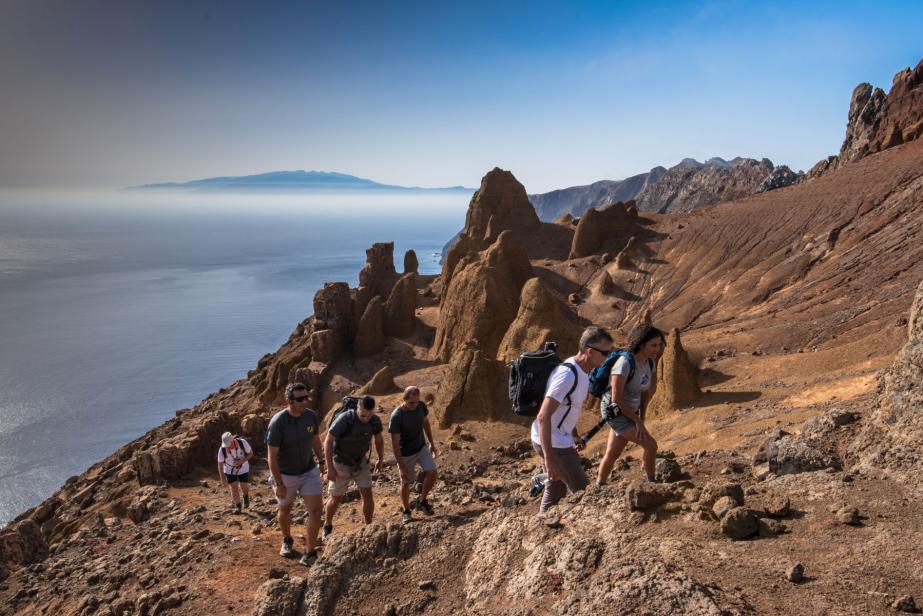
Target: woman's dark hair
[(643, 334)]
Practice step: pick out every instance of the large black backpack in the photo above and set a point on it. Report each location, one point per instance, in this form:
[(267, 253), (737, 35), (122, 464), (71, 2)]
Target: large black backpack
[(529, 375)]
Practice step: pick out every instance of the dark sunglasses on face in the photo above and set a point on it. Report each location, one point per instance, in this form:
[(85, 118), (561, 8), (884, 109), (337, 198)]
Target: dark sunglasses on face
[(299, 398), (600, 351)]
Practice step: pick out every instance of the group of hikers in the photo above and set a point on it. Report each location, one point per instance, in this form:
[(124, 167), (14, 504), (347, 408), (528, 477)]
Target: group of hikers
[(297, 455)]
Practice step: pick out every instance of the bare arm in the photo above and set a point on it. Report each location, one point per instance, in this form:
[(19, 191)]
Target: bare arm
[(429, 435), (380, 448), (224, 479), (319, 450), (329, 444), (272, 457), (618, 383), (549, 406), (396, 446)]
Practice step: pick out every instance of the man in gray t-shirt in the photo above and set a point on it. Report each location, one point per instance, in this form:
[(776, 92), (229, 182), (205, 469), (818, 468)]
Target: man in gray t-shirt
[(293, 441), (348, 450), (408, 426)]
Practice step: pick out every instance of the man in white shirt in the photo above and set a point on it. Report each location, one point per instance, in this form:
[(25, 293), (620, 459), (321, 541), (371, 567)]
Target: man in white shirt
[(554, 431), (234, 467)]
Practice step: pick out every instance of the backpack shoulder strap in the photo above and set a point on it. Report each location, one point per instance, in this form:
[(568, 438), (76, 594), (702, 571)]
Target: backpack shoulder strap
[(573, 387)]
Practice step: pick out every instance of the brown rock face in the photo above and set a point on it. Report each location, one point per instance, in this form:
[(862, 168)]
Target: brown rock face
[(541, 318), (878, 121), (473, 388), (502, 198), (332, 310), (381, 384), (379, 274), (599, 229), (893, 437), (676, 384), (370, 338), (482, 298), (411, 264), (400, 309), (174, 457)]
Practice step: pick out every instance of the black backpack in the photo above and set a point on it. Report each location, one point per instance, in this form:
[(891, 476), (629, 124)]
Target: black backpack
[(529, 375), (349, 403)]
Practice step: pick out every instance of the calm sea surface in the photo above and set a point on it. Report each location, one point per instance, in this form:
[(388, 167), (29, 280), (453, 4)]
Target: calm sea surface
[(117, 310)]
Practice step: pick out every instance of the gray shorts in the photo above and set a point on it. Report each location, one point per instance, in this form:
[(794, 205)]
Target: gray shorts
[(424, 458), (620, 424), (305, 484)]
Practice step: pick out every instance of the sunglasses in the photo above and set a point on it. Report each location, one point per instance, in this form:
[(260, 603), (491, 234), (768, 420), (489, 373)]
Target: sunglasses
[(600, 351), (300, 398)]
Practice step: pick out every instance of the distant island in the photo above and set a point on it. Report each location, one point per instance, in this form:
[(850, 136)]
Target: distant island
[(292, 181)]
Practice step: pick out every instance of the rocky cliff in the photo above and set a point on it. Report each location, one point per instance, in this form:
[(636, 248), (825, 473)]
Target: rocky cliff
[(684, 187)]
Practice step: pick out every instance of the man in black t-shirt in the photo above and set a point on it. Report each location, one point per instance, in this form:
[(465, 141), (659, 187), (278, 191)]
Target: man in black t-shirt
[(293, 441), (348, 449), (408, 426)]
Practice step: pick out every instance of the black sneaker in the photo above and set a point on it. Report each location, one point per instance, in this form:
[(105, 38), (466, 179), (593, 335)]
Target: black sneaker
[(424, 506), (328, 528), (246, 501), (408, 517), (538, 485), (287, 543), (237, 507), (308, 558)]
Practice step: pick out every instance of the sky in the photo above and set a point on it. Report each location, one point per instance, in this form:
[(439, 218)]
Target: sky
[(109, 93)]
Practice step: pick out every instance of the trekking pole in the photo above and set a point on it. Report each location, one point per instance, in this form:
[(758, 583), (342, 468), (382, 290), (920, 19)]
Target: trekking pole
[(611, 411)]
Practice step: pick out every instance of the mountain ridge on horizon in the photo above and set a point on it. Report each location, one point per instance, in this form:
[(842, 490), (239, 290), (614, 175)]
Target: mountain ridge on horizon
[(296, 179)]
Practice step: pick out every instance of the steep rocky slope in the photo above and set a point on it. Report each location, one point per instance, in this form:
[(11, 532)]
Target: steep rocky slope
[(684, 187), (777, 449)]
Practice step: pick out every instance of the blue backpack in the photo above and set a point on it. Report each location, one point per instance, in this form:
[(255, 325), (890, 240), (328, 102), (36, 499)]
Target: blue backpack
[(599, 378)]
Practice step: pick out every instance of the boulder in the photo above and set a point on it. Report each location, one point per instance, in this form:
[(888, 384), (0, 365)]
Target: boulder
[(370, 337), (740, 523), (22, 543), (501, 204), (483, 298), (279, 597), (723, 505), (784, 454), (642, 495), (668, 471), (892, 437), (540, 318), (382, 383), (411, 264), (473, 387), (400, 309), (676, 383), (379, 274)]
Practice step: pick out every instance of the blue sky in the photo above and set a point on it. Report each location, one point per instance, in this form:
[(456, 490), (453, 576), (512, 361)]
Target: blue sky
[(122, 92)]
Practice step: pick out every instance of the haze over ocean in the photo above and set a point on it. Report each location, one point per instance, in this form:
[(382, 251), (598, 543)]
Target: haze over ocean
[(116, 312)]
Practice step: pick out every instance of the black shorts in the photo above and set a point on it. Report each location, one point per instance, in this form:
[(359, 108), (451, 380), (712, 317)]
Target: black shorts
[(243, 478)]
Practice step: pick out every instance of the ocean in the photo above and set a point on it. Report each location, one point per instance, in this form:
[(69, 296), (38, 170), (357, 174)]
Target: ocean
[(117, 309)]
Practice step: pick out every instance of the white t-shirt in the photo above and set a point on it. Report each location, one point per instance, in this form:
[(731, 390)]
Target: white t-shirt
[(639, 383), (235, 456), (559, 383)]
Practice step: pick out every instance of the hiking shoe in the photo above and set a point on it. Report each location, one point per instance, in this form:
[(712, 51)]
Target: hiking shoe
[(538, 485), (287, 543), (246, 501), (328, 528), (408, 517), (308, 558), (424, 506), (237, 507)]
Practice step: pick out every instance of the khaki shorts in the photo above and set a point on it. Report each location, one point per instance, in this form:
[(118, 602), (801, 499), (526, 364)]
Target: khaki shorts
[(345, 474), (305, 484), (424, 458)]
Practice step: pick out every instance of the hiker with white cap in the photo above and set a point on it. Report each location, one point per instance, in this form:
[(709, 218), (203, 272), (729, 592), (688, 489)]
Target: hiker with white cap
[(234, 467)]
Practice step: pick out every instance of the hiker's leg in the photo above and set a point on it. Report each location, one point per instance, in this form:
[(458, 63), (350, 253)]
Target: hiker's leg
[(428, 464), (285, 519), (368, 504), (614, 448), (554, 491), (411, 465), (650, 454), (314, 505), (333, 502), (245, 487), (429, 480), (235, 492), (572, 473)]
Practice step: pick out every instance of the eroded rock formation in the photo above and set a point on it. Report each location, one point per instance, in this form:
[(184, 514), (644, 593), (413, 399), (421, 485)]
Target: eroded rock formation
[(540, 319), (676, 383), (502, 199)]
